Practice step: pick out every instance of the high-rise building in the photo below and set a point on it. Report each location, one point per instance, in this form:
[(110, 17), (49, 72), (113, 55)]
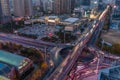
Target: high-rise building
[(28, 7), (108, 1), (5, 15), (22, 8), (48, 6), (37, 2), (62, 6), (72, 5), (116, 12), (94, 4), (117, 3), (85, 4)]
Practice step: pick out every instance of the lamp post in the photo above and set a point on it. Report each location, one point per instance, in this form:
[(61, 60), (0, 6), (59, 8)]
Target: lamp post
[(45, 53), (64, 37), (98, 62), (102, 44), (32, 21)]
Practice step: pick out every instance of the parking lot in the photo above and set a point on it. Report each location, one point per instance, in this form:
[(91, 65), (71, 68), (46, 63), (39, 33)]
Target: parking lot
[(38, 30)]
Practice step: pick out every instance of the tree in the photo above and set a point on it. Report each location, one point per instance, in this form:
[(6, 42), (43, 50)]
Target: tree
[(116, 49), (44, 66)]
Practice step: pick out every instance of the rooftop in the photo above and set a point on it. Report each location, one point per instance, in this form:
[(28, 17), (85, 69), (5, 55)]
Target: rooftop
[(53, 17), (4, 69), (10, 58), (71, 20)]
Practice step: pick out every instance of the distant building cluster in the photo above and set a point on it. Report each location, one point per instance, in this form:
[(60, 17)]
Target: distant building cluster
[(28, 8), (21, 8)]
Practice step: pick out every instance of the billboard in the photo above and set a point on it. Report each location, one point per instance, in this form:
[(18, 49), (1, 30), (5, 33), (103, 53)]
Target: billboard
[(69, 28)]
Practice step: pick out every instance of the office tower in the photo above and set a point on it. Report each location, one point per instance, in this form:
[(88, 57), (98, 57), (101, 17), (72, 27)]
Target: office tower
[(117, 3), (11, 6), (18, 6), (108, 1), (62, 6), (37, 2), (101, 5), (116, 11), (28, 7), (5, 15), (85, 2), (94, 4), (72, 5), (47, 6), (22, 8)]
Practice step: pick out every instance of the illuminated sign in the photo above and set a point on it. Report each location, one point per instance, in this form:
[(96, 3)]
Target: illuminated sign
[(68, 28), (51, 21), (91, 30)]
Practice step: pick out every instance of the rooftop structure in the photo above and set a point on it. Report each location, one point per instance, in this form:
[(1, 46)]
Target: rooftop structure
[(4, 69), (55, 20), (71, 20), (19, 62), (52, 17), (11, 59)]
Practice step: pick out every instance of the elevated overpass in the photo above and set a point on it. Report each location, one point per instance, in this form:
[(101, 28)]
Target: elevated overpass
[(64, 68)]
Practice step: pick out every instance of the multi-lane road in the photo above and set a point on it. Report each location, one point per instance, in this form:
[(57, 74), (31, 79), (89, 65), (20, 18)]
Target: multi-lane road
[(64, 68), (28, 42)]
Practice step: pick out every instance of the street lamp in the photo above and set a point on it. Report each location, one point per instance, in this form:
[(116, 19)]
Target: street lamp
[(64, 37), (98, 64), (45, 53), (32, 21), (102, 44)]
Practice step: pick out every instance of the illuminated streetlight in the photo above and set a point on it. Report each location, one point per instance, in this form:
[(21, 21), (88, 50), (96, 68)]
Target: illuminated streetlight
[(95, 2), (115, 7)]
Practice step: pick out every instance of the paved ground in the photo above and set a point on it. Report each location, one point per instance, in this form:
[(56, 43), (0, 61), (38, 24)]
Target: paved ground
[(38, 30), (112, 36), (94, 77)]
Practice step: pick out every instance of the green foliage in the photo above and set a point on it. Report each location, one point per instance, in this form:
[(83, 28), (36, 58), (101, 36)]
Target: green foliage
[(28, 36), (50, 39), (116, 49), (35, 55), (11, 26), (60, 37), (67, 35)]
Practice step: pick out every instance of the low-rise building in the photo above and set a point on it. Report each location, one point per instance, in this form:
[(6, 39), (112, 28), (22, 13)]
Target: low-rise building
[(112, 73), (71, 24), (13, 65)]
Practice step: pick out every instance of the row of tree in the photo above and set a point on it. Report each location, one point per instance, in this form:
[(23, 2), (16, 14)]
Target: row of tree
[(11, 26)]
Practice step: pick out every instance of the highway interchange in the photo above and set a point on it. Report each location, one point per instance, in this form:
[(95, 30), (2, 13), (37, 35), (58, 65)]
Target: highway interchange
[(65, 67)]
